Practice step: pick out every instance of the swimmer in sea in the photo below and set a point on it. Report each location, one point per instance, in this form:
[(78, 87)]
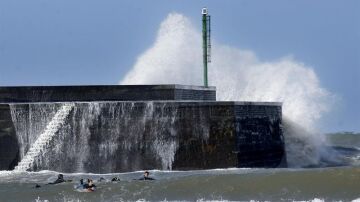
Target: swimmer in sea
[(60, 179), (146, 176), (115, 179), (90, 185)]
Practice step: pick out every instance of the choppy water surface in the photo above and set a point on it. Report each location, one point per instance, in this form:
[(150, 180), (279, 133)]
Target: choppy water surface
[(329, 184), (319, 183)]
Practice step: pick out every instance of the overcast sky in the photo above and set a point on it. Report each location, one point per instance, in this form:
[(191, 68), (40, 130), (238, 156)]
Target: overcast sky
[(68, 42)]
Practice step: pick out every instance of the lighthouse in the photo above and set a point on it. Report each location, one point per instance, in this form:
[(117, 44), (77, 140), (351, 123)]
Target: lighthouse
[(206, 43)]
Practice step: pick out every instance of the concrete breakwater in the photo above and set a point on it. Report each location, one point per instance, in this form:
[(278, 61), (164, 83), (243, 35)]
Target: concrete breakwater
[(188, 129)]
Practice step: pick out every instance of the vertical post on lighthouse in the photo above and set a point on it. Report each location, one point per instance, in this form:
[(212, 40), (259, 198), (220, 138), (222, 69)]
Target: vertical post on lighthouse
[(206, 43)]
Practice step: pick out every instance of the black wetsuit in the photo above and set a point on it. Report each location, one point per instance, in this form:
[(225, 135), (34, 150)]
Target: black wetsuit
[(146, 178), (87, 186), (57, 181), (60, 179), (115, 179)]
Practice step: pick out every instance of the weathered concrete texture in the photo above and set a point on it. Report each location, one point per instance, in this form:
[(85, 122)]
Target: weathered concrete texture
[(260, 141), (9, 149), (128, 136), (105, 93), (241, 134)]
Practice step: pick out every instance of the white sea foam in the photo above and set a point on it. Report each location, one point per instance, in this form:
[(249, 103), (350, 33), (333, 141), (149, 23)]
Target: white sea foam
[(239, 75)]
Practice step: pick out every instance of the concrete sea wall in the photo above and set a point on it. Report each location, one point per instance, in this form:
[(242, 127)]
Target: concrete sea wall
[(120, 136), (105, 93)]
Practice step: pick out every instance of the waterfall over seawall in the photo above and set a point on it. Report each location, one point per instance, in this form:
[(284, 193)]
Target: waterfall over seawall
[(44, 138), (103, 137)]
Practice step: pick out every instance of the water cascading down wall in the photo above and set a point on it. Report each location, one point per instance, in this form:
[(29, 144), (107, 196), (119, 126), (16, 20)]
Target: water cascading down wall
[(104, 129)]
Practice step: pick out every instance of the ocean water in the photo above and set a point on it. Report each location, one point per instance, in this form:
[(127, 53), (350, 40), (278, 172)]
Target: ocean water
[(325, 184), (335, 182)]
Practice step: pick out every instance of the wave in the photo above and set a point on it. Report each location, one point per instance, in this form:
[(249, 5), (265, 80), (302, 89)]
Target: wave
[(175, 57)]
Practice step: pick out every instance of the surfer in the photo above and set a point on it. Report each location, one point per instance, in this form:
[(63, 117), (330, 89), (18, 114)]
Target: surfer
[(90, 185), (146, 176), (60, 179), (115, 179)]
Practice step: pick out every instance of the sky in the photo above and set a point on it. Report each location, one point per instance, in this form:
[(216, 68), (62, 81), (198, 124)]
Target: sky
[(86, 42)]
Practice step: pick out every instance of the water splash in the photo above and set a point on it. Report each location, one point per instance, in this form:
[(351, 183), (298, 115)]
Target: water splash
[(165, 133), (31, 121), (44, 138), (134, 135), (239, 75)]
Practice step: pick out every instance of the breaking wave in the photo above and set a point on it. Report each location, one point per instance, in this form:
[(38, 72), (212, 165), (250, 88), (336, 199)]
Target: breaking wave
[(239, 75)]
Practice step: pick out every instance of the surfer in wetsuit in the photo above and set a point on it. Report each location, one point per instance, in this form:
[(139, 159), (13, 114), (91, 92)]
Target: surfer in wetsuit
[(60, 179), (87, 187), (115, 179), (146, 176), (90, 185)]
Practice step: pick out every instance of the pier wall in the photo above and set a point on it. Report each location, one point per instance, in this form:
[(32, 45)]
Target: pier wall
[(120, 136)]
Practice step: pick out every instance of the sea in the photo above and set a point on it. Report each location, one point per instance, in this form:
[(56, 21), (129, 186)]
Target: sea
[(325, 182)]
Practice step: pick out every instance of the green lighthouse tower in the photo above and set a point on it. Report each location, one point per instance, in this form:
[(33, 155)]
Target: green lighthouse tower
[(206, 43)]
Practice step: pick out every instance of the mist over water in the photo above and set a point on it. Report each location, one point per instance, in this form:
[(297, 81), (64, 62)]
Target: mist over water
[(239, 75)]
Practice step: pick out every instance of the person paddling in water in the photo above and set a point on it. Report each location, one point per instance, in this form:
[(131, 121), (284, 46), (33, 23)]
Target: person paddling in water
[(90, 185), (146, 176), (115, 179), (60, 179), (87, 187)]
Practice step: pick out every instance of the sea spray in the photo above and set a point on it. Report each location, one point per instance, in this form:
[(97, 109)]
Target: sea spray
[(302, 147), (175, 57)]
